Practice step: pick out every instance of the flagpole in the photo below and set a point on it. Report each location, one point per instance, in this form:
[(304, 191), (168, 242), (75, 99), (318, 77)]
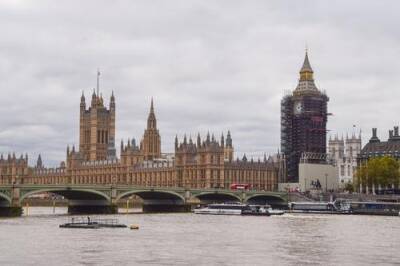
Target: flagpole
[(98, 85)]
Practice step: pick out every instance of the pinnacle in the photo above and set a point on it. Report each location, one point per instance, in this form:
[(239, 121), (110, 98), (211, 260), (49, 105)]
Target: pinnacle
[(306, 65)]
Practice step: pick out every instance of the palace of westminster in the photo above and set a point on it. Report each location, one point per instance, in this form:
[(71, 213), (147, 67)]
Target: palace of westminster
[(203, 163)]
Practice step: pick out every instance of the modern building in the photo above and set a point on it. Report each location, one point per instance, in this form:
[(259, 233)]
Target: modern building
[(345, 152), (208, 163), (303, 122)]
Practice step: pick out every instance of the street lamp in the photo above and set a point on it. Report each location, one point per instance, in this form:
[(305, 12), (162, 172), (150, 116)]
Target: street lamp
[(326, 182)]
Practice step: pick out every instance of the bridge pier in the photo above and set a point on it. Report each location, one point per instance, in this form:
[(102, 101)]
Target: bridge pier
[(10, 211), (13, 208), (165, 205), (91, 207), (166, 208)]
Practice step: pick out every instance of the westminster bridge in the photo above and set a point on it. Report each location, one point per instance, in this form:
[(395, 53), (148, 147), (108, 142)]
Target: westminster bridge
[(104, 198)]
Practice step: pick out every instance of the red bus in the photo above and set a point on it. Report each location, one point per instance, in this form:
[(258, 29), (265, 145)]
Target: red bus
[(240, 186)]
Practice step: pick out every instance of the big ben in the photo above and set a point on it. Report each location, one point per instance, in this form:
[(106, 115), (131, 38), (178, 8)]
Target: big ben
[(303, 121)]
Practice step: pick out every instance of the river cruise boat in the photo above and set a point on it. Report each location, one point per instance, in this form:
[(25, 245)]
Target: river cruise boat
[(312, 207), (222, 209), (238, 209), (374, 208)]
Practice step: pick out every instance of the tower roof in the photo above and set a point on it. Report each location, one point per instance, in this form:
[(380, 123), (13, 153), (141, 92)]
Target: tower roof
[(306, 65), (306, 83)]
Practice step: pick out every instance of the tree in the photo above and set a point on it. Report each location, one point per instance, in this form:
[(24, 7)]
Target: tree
[(377, 171), (349, 187)]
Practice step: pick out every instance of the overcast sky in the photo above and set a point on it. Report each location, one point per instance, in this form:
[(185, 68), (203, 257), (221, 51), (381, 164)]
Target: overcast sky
[(210, 65)]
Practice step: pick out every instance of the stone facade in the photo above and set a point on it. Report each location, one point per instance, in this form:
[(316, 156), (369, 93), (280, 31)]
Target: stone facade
[(344, 152), (207, 163)]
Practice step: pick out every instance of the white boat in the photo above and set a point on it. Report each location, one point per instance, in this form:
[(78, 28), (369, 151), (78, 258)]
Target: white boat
[(238, 209), (222, 209), (275, 212), (319, 207)]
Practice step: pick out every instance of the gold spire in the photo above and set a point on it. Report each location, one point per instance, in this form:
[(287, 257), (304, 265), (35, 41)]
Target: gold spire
[(306, 72)]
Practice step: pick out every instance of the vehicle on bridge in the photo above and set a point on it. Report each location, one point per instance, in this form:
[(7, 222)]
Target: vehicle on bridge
[(235, 186)]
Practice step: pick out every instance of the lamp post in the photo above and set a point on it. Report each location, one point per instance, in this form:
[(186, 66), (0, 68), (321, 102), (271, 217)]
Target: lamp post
[(326, 182)]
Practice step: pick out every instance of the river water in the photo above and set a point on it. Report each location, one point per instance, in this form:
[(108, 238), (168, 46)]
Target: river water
[(189, 239)]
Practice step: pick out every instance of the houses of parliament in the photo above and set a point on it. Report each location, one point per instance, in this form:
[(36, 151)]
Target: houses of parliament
[(206, 162)]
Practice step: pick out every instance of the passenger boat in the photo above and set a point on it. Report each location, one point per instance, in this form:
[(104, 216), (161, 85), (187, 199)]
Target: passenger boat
[(222, 209), (312, 207), (238, 209), (375, 208), (275, 212), (90, 223)]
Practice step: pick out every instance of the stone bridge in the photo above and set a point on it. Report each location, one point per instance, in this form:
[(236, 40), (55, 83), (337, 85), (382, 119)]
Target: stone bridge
[(103, 198)]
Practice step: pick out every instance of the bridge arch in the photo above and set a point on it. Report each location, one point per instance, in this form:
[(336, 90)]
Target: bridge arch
[(71, 194), (150, 194), (273, 200), (217, 196), (4, 199)]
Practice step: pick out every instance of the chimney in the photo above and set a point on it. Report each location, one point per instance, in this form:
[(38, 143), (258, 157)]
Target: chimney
[(390, 134), (396, 131), (374, 137)]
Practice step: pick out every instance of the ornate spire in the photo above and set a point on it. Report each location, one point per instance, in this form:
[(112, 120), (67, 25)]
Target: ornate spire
[(306, 82), (151, 120), (229, 139), (198, 140), (306, 65), (39, 163)]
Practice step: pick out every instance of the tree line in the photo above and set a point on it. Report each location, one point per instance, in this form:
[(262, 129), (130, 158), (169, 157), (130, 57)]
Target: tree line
[(378, 172)]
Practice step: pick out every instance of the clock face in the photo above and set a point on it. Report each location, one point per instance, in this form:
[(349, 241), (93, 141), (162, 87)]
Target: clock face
[(298, 108)]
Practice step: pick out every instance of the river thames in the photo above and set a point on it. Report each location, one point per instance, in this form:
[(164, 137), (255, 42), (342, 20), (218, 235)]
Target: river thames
[(189, 239)]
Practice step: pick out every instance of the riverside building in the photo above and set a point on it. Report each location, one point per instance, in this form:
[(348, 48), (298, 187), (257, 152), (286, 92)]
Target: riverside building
[(205, 163)]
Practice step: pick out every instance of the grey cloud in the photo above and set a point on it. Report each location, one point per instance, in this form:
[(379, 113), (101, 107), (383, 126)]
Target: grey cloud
[(210, 65)]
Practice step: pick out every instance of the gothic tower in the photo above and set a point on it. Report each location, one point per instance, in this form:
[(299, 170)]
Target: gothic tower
[(303, 121), (151, 143), (97, 128), (228, 148)]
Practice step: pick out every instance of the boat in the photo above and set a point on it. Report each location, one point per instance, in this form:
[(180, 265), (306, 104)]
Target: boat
[(374, 208), (221, 209), (256, 210), (341, 206), (275, 212), (238, 209), (90, 223), (312, 207)]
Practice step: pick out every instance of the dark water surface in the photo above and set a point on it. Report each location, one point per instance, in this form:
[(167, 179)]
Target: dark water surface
[(189, 239)]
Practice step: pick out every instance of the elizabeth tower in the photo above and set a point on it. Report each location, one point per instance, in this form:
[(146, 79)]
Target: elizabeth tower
[(303, 121)]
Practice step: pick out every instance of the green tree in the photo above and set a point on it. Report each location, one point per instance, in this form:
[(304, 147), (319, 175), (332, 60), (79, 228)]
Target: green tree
[(377, 171), (349, 187)]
